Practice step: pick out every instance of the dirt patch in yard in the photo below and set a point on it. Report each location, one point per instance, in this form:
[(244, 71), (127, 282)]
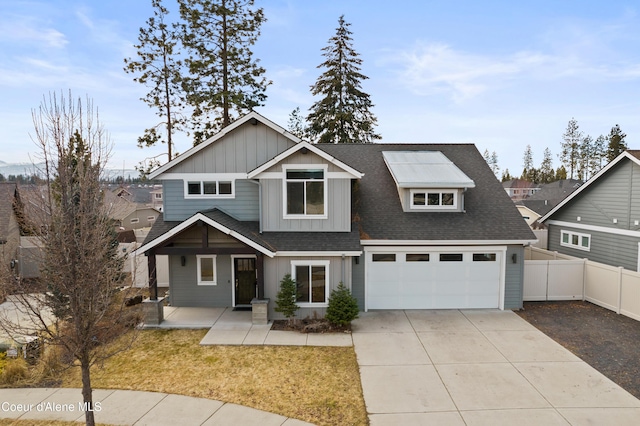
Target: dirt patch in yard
[(607, 341), (310, 325)]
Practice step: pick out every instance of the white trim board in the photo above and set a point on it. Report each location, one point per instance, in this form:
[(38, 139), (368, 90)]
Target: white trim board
[(445, 242), (595, 228)]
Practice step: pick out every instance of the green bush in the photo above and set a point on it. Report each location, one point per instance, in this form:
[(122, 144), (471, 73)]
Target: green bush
[(343, 307), (286, 298)]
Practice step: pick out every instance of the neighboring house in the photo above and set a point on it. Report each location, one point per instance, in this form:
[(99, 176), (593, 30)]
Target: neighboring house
[(404, 226), (546, 197), (156, 197), (129, 215), (518, 189), (600, 220)]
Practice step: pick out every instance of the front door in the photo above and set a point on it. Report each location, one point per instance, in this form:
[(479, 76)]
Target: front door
[(245, 276)]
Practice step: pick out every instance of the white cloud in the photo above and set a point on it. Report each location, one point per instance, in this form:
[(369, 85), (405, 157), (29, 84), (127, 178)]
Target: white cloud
[(22, 29)]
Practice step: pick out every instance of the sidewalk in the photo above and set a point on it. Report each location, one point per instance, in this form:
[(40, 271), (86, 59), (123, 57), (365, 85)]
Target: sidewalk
[(124, 407)]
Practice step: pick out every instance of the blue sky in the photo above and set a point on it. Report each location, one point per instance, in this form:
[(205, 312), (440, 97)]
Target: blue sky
[(500, 74)]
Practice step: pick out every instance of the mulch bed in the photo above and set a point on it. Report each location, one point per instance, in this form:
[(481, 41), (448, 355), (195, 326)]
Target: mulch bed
[(310, 325), (603, 339)]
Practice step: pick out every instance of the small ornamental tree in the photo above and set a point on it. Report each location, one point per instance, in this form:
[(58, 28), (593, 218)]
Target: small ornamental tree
[(343, 307), (286, 298)]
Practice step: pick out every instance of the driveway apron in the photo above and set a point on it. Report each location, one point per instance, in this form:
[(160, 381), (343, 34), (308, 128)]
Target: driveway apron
[(478, 367)]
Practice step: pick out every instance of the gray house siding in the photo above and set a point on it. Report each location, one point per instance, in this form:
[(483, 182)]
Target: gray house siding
[(243, 207), (615, 195), (277, 267), (610, 249), (240, 151), (339, 208), (513, 278), (184, 290), (357, 283)]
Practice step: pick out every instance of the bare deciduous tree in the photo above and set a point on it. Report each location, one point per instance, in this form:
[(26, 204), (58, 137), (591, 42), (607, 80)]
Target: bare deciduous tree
[(81, 310)]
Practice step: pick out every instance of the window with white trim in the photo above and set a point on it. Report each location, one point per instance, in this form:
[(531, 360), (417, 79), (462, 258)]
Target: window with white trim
[(305, 192), (158, 195), (575, 240), (436, 199), (209, 189), (312, 281), (207, 271)]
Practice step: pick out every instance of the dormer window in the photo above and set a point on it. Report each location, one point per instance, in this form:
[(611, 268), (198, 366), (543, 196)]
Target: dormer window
[(434, 199), (305, 192), (209, 189)]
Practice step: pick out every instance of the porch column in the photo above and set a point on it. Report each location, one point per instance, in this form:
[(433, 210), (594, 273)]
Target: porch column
[(260, 273), (153, 278)]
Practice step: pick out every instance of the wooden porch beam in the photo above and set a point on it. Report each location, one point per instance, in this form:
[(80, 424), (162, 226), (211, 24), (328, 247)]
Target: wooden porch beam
[(260, 274), (153, 277), (204, 250)]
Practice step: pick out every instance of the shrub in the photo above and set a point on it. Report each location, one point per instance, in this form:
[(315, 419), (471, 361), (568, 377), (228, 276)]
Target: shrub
[(286, 298), (343, 307), (14, 371)]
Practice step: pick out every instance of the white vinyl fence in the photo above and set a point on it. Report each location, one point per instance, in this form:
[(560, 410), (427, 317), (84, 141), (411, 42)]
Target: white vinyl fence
[(554, 276)]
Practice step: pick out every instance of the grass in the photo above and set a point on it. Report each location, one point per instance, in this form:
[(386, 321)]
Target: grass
[(320, 385)]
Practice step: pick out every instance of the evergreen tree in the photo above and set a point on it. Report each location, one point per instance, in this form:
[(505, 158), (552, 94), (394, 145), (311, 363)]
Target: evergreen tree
[(506, 176), (570, 153), (343, 307), (586, 153), (617, 145), (494, 163), (224, 76), (286, 298), (561, 173), (297, 125), (599, 154), (528, 171), (546, 172), (343, 115), (159, 68)]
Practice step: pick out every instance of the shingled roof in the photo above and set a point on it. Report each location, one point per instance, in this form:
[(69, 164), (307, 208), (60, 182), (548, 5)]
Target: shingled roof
[(489, 212)]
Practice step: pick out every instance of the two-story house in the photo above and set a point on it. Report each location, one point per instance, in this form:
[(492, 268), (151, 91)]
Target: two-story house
[(404, 226), (600, 220)]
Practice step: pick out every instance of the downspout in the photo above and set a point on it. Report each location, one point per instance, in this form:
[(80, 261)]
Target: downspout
[(462, 203), (342, 272), (257, 182)]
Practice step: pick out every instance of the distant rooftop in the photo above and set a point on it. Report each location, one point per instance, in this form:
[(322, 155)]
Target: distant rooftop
[(425, 169)]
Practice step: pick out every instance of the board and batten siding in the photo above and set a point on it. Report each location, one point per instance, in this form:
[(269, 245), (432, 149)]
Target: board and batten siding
[(240, 151), (185, 291), (338, 209), (514, 277), (357, 283), (615, 195), (276, 268), (244, 207), (610, 249)]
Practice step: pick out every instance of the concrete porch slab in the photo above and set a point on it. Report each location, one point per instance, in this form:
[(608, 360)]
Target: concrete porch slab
[(257, 335), (178, 317), (459, 347)]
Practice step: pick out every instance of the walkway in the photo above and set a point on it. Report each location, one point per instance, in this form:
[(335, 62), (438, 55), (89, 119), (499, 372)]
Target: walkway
[(123, 407)]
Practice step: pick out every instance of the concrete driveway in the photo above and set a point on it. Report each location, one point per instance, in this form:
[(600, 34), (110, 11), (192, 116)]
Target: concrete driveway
[(478, 367)]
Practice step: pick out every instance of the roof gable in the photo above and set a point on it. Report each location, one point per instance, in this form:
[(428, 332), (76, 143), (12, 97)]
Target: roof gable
[(251, 118), (629, 155)]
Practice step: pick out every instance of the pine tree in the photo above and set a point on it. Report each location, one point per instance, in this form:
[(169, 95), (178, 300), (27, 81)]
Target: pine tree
[(297, 124), (159, 68), (286, 298), (546, 172), (344, 114), (343, 307), (586, 153), (569, 156), (224, 76), (561, 173), (617, 145), (599, 154), (506, 176)]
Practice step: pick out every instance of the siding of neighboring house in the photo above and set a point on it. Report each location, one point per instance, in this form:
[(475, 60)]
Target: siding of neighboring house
[(142, 216), (243, 207), (30, 257), (276, 268), (610, 249), (513, 282), (614, 196), (240, 151), (185, 291)]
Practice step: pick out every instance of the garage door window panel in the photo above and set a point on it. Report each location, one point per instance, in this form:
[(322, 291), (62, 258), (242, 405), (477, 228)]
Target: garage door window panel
[(451, 257), (484, 257), (417, 257), (383, 257)]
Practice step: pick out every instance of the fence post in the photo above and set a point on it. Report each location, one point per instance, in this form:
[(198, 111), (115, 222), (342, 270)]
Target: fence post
[(584, 278), (619, 308)]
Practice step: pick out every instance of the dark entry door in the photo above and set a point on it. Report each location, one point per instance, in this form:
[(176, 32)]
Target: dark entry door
[(245, 274)]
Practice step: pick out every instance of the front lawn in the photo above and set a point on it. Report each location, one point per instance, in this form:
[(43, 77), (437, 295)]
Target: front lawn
[(320, 385)]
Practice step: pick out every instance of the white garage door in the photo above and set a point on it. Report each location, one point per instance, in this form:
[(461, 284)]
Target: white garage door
[(433, 279)]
